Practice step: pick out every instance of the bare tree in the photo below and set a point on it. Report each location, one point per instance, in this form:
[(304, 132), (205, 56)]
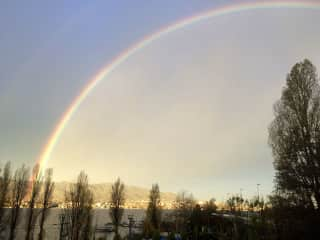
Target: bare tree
[(87, 228), (35, 185), (4, 193), (79, 211), (154, 208), (231, 203), (184, 206), (234, 203), (210, 206), (117, 200), (48, 188), (18, 193), (63, 231)]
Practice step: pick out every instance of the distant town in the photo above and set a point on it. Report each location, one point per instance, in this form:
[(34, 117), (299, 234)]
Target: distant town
[(129, 204)]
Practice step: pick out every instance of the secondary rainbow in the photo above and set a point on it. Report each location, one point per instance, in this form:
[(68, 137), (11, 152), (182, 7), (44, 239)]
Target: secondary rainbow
[(105, 71)]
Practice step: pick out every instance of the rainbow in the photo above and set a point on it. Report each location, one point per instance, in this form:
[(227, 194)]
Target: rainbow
[(105, 71)]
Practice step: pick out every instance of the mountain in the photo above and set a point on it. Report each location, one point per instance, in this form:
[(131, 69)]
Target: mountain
[(101, 193)]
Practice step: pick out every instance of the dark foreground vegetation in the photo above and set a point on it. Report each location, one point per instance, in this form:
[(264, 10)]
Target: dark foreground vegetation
[(290, 212)]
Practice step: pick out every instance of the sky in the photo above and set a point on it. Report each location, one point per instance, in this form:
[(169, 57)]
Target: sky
[(189, 111)]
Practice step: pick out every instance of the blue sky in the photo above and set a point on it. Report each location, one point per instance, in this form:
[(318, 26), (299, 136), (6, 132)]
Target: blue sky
[(193, 107)]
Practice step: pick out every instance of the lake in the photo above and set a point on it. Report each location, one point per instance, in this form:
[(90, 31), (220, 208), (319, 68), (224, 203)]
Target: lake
[(100, 218)]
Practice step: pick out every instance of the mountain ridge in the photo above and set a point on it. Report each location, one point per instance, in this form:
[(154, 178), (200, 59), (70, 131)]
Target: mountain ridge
[(101, 192)]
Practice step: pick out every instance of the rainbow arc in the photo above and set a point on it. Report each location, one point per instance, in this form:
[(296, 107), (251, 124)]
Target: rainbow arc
[(121, 58)]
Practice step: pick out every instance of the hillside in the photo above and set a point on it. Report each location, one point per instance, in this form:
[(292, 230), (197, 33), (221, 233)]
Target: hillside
[(101, 192)]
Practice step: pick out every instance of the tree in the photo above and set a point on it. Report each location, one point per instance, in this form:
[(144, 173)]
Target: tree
[(4, 193), (48, 188), (257, 203), (153, 216), (117, 200), (285, 217), (18, 193), (184, 206), (35, 185), (196, 221), (79, 209), (209, 208), (234, 203), (294, 136), (231, 203)]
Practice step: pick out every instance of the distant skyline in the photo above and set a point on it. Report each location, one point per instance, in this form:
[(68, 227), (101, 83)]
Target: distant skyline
[(189, 111)]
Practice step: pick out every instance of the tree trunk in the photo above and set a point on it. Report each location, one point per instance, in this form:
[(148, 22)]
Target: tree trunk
[(29, 225), (41, 232)]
